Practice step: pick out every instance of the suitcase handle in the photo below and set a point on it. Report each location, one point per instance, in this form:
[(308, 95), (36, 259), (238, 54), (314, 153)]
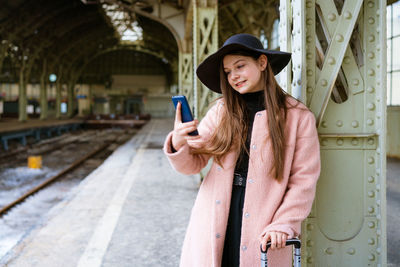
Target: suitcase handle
[(297, 257)]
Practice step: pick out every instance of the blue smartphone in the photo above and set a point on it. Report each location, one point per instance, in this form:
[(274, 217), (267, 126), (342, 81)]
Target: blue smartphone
[(185, 110)]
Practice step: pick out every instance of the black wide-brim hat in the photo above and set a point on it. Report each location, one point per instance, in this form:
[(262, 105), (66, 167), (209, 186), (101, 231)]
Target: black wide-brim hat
[(208, 70)]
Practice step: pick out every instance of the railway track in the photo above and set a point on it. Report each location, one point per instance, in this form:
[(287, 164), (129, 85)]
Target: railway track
[(93, 145)]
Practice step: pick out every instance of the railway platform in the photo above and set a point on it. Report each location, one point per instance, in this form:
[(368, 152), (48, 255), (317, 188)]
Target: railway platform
[(131, 211)]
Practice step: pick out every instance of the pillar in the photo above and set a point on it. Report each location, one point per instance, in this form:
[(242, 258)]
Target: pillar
[(344, 86)]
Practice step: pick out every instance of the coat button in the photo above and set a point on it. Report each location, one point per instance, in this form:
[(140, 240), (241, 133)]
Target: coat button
[(259, 114), (251, 181), (247, 215), (218, 202), (219, 168), (254, 146), (244, 248), (217, 235)]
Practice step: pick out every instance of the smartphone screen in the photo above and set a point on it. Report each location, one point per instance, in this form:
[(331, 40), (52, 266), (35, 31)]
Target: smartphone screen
[(185, 110)]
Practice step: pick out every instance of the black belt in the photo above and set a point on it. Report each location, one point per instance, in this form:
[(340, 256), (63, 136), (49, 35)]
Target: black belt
[(239, 179)]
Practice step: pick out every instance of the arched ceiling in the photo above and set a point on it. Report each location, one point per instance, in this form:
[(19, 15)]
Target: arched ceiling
[(66, 36)]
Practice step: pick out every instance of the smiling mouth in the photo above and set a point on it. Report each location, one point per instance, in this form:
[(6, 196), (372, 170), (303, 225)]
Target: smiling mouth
[(240, 83)]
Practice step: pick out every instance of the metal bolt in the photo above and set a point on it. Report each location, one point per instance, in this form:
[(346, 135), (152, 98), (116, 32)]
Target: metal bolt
[(370, 4), (309, 21), (324, 82), (371, 193), (371, 20), (370, 89), (371, 179), (346, 60), (310, 227), (309, 89), (371, 257), (371, 160), (323, 124), (331, 60), (339, 142), (354, 141), (351, 251), (371, 38), (310, 260), (371, 141), (339, 38), (371, 241), (356, 82), (309, 72), (371, 209), (310, 243), (379, 251), (309, 4), (309, 56), (354, 124), (370, 122), (371, 106), (347, 15), (331, 17), (329, 251), (371, 55), (324, 142), (371, 225), (371, 72), (339, 123)]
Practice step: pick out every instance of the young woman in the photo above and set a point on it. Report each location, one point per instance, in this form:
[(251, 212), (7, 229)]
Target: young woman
[(266, 160)]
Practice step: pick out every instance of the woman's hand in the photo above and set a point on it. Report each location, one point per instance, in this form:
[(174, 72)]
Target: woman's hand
[(278, 240), (180, 135)]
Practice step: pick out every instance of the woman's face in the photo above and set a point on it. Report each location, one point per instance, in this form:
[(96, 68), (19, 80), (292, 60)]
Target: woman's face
[(244, 73)]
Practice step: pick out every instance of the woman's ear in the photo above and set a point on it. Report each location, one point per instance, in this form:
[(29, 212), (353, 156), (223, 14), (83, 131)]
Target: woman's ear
[(262, 62)]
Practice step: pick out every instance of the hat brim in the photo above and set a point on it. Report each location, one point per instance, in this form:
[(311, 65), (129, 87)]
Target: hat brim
[(208, 70)]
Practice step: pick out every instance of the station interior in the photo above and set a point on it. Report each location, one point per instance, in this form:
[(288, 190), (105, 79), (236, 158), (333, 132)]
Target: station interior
[(85, 106)]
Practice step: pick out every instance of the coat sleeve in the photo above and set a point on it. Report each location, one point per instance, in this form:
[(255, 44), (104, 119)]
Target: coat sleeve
[(183, 160), (304, 173)]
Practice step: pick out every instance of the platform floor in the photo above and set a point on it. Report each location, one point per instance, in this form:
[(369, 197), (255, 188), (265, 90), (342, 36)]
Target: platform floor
[(133, 211)]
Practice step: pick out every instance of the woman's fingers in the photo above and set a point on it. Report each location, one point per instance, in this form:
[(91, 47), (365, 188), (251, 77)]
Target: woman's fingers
[(278, 240), (178, 116)]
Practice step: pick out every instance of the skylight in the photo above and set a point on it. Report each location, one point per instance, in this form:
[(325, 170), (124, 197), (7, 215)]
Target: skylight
[(124, 22)]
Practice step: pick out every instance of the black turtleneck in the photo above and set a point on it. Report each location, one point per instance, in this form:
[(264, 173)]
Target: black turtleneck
[(254, 103)]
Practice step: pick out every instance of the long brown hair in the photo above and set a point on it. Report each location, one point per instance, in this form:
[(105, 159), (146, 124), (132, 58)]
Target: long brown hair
[(234, 122)]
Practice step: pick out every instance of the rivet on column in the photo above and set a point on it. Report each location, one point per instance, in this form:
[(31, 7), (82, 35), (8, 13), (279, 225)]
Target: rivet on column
[(370, 122), (351, 251), (371, 38), (371, 209), (354, 124), (339, 38), (371, 160), (371, 257), (371, 20), (371, 241), (309, 72), (324, 82), (371, 193), (310, 227), (371, 141), (329, 251), (371, 179), (339, 123), (309, 89), (331, 17), (346, 60), (371, 106), (370, 4), (356, 82), (323, 124), (347, 15), (370, 89), (371, 72), (371, 225), (331, 60), (354, 141), (339, 142), (371, 55)]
